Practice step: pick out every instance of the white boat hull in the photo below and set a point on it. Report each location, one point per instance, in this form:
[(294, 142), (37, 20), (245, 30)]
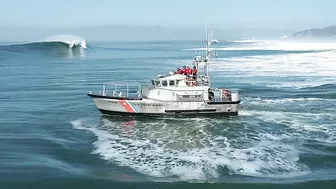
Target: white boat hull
[(112, 105)]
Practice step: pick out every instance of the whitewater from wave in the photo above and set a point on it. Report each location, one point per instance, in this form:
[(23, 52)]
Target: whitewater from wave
[(193, 152), (70, 40), (246, 45), (277, 64), (244, 41), (283, 71)]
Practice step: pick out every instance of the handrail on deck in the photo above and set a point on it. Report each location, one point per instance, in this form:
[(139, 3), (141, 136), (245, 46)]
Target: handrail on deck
[(118, 87)]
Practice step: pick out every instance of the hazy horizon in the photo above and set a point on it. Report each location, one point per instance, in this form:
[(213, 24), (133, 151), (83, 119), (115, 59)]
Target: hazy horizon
[(139, 33), (37, 19)]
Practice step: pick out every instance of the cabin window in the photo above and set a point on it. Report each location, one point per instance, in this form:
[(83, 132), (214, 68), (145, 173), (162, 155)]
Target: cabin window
[(157, 83), (177, 82), (153, 82), (164, 83), (171, 83)]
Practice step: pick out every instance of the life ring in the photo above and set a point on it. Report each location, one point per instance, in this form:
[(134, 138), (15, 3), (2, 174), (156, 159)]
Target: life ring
[(191, 82)]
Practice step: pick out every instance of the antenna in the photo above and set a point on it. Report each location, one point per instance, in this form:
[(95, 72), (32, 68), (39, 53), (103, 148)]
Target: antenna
[(200, 50), (206, 25), (207, 47)]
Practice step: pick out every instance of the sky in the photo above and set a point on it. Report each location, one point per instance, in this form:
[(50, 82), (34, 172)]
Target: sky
[(169, 13), (35, 19)]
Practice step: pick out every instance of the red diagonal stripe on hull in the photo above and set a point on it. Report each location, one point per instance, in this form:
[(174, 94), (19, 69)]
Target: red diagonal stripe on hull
[(127, 107)]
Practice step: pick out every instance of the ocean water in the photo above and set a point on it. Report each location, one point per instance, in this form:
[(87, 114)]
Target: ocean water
[(52, 135)]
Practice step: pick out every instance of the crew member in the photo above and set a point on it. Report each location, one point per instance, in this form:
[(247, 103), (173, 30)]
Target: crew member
[(194, 72), (188, 71), (179, 71), (184, 70)]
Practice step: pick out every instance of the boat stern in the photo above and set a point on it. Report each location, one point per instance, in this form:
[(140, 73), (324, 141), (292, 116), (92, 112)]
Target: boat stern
[(117, 97), (235, 99)]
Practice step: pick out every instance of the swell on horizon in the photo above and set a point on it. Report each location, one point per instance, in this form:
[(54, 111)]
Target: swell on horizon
[(51, 42)]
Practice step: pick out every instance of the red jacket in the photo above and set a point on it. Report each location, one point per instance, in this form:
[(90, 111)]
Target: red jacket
[(188, 71), (184, 70)]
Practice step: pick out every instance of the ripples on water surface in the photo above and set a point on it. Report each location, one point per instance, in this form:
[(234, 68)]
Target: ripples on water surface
[(50, 129)]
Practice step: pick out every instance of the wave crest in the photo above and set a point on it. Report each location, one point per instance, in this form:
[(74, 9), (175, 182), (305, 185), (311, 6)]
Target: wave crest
[(70, 40), (59, 45)]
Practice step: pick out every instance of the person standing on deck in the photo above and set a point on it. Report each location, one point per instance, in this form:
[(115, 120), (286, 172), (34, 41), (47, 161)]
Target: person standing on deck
[(184, 70), (194, 72), (179, 71), (188, 71)]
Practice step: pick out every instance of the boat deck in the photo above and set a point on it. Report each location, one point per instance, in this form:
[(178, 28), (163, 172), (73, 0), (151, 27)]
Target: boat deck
[(118, 91)]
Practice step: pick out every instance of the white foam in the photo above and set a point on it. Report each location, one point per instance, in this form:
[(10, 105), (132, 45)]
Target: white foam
[(276, 45), (293, 70), (194, 156), (71, 40), (77, 124), (303, 125), (280, 101), (310, 69), (245, 41)]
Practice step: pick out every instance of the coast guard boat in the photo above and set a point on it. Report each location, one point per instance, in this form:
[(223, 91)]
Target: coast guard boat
[(170, 94)]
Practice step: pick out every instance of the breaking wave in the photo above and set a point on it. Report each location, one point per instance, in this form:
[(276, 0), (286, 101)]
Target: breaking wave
[(70, 40), (50, 43)]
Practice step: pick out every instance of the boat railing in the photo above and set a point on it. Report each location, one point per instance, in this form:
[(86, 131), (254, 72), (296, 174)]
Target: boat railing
[(224, 95), (120, 90), (202, 80)]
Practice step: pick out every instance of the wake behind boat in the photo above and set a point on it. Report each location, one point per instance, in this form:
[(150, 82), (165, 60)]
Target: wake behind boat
[(174, 93)]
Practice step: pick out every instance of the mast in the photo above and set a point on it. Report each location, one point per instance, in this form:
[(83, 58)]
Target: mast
[(207, 47), (207, 58), (200, 50), (209, 40), (206, 25)]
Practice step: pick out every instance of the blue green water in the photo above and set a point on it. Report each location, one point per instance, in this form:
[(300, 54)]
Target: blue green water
[(52, 135)]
